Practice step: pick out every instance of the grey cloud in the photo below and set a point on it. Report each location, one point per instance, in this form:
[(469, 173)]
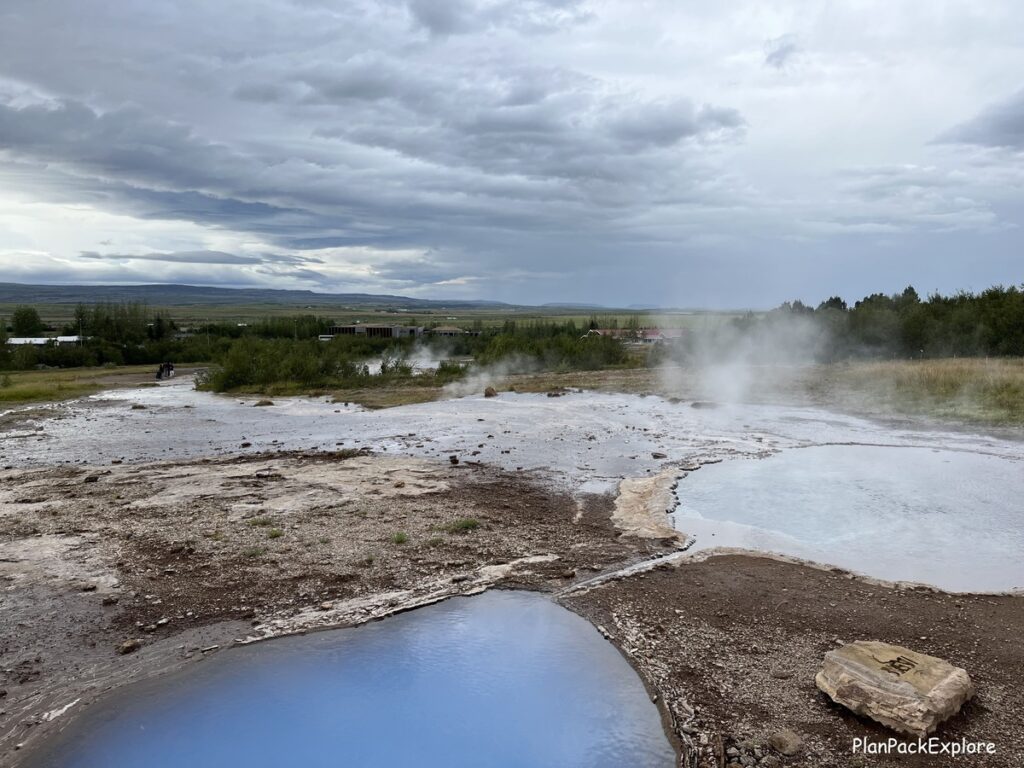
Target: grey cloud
[(568, 138), (904, 198), (1001, 125), (443, 18), (204, 257), (181, 257), (310, 275), (125, 144), (780, 51), (453, 17)]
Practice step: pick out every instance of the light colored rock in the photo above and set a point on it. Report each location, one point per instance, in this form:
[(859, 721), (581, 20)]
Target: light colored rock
[(785, 742), (907, 691), (642, 507)]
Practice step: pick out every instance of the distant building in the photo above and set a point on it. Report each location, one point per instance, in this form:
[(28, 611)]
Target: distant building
[(641, 335), (377, 331), (42, 341), (447, 330)]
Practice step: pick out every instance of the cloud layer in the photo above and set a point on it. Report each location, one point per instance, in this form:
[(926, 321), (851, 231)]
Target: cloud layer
[(527, 151)]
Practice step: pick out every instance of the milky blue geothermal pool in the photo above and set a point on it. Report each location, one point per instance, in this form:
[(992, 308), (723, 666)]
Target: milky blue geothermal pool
[(501, 680), (950, 518)]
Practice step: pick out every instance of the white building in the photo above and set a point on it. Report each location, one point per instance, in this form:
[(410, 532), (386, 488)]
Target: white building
[(42, 341)]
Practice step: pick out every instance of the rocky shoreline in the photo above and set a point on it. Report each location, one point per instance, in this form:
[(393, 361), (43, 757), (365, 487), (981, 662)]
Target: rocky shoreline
[(119, 573)]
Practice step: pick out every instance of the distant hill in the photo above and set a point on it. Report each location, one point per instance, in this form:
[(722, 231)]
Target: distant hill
[(572, 305), (194, 295)]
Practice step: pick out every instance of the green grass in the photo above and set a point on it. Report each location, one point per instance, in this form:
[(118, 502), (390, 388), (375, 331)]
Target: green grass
[(64, 384), (261, 522), (400, 538), (275, 533), (254, 552), (462, 525), (979, 390), (63, 314)]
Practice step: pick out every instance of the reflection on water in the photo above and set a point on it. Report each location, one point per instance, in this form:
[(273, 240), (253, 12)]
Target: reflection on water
[(948, 518), (502, 680)]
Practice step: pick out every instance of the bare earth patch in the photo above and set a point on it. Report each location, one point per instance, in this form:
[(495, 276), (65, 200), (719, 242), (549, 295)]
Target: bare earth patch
[(732, 643)]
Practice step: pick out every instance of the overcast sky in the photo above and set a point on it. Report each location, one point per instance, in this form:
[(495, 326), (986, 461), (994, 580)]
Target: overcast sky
[(668, 152)]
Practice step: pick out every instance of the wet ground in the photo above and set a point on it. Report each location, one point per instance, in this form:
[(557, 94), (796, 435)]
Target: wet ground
[(883, 499), (186, 521)]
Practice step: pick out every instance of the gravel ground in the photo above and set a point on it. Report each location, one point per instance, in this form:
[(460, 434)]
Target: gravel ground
[(731, 643)]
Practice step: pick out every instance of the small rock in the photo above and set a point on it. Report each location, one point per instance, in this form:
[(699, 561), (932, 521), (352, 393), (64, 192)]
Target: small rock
[(785, 742), (91, 479), (262, 404), (88, 587), (138, 407), (326, 606), (454, 460), (658, 455), (129, 646), (245, 445), (490, 392)]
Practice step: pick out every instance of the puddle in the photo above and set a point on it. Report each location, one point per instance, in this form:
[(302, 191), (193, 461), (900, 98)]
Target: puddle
[(499, 680), (947, 518)]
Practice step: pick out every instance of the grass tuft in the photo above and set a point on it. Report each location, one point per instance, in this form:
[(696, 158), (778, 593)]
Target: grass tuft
[(462, 525)]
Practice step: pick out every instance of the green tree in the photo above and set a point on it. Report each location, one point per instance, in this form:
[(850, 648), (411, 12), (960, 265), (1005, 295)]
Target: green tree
[(26, 321)]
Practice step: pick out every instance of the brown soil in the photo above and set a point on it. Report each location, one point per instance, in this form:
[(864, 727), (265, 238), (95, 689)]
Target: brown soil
[(739, 638)]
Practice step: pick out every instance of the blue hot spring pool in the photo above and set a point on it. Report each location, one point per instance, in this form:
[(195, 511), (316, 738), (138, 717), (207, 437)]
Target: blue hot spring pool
[(500, 680)]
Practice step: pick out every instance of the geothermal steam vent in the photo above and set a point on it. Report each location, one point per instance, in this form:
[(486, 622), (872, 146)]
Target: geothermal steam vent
[(902, 689)]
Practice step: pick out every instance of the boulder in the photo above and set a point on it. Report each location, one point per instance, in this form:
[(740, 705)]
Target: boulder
[(490, 392), (785, 742), (904, 690)]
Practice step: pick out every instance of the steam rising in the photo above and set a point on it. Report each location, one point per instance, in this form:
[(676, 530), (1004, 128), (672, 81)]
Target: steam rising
[(480, 377), (736, 360)]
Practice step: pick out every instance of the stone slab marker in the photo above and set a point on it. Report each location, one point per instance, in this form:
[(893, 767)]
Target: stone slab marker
[(897, 687)]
